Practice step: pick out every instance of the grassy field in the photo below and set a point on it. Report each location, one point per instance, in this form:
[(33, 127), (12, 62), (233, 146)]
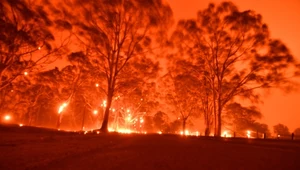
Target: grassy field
[(36, 148)]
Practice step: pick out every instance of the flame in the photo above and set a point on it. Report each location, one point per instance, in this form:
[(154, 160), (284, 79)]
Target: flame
[(7, 117), (95, 112), (61, 108), (104, 103), (125, 131), (248, 133), (224, 134)]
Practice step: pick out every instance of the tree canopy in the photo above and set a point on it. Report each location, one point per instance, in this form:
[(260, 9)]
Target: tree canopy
[(281, 130), (233, 52)]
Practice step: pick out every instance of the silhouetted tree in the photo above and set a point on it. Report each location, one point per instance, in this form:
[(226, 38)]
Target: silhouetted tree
[(137, 92), (241, 118), (26, 40), (79, 88), (236, 51), (179, 92), (297, 132), (175, 126), (133, 109), (200, 89), (72, 85), (148, 124), (120, 34), (281, 129), (29, 104), (160, 121), (262, 128)]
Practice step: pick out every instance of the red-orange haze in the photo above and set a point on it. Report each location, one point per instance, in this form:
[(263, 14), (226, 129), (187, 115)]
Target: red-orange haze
[(282, 18)]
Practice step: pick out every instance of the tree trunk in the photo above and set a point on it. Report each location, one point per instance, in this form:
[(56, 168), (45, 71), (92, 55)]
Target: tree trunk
[(215, 112), (219, 125), (183, 125), (219, 117), (58, 121), (104, 127), (30, 116), (116, 120), (83, 118), (207, 124), (207, 131)]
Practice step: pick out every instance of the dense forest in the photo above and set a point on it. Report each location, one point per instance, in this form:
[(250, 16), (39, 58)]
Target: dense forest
[(128, 65)]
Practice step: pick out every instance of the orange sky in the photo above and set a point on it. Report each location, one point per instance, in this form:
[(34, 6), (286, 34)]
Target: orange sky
[(283, 20)]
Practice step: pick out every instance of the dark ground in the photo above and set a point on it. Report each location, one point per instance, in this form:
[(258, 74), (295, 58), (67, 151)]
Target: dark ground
[(33, 148)]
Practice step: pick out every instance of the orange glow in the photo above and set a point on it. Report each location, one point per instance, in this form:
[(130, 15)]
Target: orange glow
[(21, 125), (104, 103), (95, 112), (61, 108), (159, 132), (248, 133), (226, 134), (186, 132), (7, 117), (125, 131), (280, 17)]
